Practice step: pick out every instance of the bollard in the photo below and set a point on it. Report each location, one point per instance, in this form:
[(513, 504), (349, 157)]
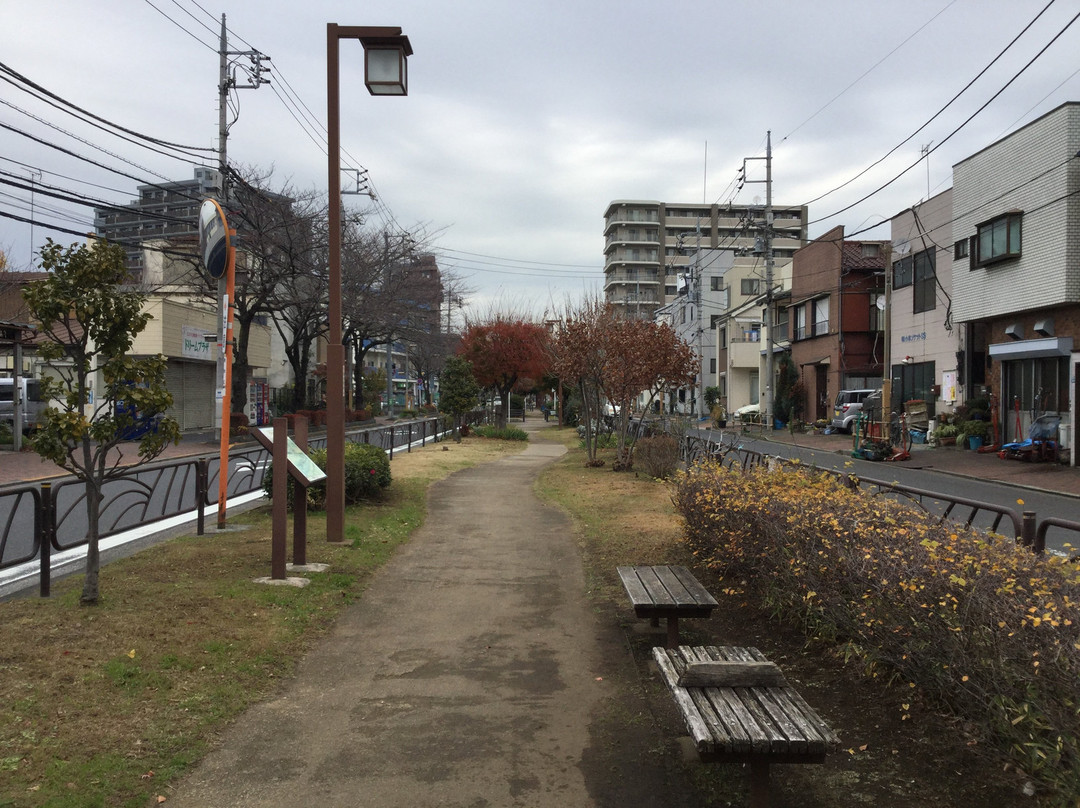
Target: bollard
[(46, 526), (1027, 531), (202, 494)]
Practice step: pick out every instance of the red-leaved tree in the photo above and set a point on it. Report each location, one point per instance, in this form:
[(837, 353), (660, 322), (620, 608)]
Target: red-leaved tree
[(504, 353), (642, 357), (577, 358)]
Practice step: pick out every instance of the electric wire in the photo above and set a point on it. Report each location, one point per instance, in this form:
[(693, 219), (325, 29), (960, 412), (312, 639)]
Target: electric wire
[(957, 129), (181, 27), (937, 114), (157, 141)]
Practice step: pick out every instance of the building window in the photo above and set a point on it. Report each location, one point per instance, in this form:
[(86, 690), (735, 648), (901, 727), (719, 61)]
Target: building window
[(751, 286), (799, 330), (712, 365), (716, 283), (723, 337), (821, 317), (924, 281), (713, 320), (780, 325), (998, 239), (960, 249), (901, 272), (870, 250)]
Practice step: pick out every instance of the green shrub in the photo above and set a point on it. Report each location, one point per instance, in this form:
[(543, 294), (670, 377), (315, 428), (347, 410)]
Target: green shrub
[(367, 472), (658, 457), (973, 622), (6, 435), (976, 429), (506, 433)]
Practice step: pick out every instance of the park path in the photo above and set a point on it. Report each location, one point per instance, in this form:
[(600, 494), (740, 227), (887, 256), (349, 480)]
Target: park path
[(465, 676)]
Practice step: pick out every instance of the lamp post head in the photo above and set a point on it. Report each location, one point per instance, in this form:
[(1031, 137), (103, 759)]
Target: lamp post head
[(386, 69)]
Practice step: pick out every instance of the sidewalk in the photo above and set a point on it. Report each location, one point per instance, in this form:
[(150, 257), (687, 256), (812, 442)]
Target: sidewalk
[(27, 466), (1056, 477)]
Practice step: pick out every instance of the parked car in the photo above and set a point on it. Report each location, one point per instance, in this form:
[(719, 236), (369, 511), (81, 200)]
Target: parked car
[(32, 402), (848, 405)]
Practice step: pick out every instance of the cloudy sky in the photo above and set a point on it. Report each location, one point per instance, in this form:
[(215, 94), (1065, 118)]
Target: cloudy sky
[(524, 120)]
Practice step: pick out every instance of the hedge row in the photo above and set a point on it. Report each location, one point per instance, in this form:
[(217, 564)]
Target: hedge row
[(976, 624)]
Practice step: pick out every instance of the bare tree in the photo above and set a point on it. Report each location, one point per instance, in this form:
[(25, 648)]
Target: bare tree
[(280, 248)]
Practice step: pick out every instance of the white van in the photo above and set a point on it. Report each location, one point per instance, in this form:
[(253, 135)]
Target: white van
[(30, 400)]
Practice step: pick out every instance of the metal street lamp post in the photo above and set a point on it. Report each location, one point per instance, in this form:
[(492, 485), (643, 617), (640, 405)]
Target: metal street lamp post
[(385, 73)]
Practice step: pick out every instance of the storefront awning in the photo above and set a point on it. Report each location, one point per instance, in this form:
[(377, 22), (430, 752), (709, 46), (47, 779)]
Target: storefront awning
[(1032, 348)]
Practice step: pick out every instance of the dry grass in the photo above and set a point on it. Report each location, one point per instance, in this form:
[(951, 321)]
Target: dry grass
[(627, 518), (103, 706)]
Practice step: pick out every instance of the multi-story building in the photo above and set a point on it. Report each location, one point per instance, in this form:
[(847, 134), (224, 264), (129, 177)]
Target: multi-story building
[(166, 210), (1016, 271), (648, 245), (663, 257), (924, 338), (742, 332), (836, 318)]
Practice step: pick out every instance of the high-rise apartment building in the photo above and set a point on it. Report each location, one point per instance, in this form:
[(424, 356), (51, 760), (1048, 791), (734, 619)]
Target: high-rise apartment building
[(648, 245)]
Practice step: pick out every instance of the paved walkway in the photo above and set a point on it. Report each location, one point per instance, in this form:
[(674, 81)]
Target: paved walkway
[(465, 677)]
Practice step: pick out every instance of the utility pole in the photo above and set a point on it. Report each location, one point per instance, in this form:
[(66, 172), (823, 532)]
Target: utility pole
[(226, 82), (767, 239), (768, 281)]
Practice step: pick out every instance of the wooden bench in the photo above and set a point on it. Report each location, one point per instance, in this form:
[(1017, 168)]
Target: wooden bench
[(738, 707), (669, 592)]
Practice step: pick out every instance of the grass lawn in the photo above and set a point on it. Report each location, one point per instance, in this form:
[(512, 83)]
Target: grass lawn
[(105, 705)]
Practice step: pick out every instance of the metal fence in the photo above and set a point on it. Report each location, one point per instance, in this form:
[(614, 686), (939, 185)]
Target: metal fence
[(47, 517)]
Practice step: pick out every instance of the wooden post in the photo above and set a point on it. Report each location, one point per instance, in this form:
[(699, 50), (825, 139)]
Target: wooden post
[(279, 540), (299, 548)]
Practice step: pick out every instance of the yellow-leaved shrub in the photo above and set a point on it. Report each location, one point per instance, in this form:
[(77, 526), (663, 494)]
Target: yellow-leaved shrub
[(979, 625)]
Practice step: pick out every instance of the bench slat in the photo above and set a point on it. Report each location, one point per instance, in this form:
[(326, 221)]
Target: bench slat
[(732, 674), (692, 585), (756, 734), (806, 732), (674, 586), (633, 585), (699, 730), (653, 584)]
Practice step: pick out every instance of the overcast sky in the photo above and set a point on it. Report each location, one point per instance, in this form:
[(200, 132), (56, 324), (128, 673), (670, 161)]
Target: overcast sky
[(524, 120)]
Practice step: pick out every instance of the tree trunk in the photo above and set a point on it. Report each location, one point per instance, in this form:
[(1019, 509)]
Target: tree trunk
[(90, 591)]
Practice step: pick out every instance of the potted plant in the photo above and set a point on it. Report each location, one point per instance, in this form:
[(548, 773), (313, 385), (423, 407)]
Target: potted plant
[(946, 434), (977, 432)]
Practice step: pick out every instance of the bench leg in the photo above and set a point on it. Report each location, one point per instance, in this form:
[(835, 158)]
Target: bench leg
[(673, 632), (759, 784)]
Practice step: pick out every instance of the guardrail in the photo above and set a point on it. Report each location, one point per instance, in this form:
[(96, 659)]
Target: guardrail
[(38, 519)]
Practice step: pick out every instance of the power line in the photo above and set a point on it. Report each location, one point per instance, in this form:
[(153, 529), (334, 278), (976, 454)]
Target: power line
[(935, 116), (156, 141), (178, 25), (957, 129)]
